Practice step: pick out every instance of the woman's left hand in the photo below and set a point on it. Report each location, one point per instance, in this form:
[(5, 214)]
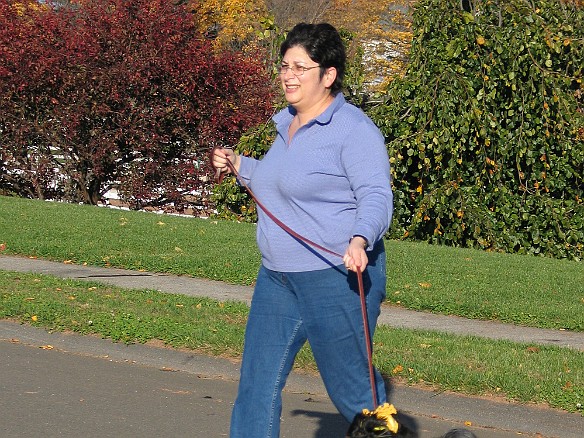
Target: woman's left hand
[(355, 257)]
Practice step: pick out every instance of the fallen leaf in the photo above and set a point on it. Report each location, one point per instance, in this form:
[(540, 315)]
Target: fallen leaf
[(2, 246), (47, 347), (425, 285), (532, 349), (34, 318), (468, 423), (68, 262), (398, 369)]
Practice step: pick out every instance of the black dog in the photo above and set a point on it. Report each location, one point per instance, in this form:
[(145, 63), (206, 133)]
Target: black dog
[(378, 424), (459, 433), (381, 424)]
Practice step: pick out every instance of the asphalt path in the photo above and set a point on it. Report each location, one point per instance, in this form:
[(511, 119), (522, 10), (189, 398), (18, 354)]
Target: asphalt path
[(67, 385)]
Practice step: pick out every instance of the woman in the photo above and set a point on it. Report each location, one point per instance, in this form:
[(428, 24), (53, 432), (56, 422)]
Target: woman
[(327, 177)]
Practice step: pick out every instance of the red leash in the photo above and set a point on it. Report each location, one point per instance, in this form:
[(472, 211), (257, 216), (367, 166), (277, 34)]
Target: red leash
[(219, 178)]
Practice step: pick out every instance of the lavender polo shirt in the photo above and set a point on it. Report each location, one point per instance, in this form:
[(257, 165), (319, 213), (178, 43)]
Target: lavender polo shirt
[(329, 183)]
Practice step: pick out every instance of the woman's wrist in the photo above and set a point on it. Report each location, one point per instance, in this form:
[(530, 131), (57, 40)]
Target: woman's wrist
[(236, 161), (359, 239)]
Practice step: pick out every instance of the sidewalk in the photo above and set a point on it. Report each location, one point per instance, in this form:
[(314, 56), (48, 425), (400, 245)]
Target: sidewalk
[(391, 316), (195, 399)]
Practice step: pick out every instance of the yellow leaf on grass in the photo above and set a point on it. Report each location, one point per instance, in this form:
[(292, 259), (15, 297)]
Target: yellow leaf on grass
[(425, 285), (34, 318), (398, 369)]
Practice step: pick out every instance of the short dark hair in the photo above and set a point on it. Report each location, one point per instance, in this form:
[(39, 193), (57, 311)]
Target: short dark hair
[(324, 46)]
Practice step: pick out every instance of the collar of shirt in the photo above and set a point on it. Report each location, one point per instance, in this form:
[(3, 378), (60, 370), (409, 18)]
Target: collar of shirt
[(284, 117)]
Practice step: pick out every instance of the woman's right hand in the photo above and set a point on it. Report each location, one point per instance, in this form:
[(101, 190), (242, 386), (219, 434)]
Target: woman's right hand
[(220, 159)]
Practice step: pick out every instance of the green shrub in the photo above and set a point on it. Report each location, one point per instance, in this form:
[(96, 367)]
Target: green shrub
[(486, 129)]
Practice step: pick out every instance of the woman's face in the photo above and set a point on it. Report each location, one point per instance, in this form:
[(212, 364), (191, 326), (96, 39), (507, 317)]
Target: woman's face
[(307, 90)]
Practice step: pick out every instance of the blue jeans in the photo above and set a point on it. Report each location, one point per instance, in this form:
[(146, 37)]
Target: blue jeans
[(322, 307)]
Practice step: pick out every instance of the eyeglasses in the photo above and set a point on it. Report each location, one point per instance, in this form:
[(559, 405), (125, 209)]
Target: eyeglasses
[(297, 70)]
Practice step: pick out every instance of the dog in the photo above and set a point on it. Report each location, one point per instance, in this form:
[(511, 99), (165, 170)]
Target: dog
[(379, 423), (459, 433)]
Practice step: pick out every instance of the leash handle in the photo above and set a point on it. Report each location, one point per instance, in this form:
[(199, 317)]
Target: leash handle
[(219, 177)]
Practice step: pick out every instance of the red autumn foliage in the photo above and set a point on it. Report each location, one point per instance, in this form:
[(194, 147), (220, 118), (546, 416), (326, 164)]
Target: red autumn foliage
[(110, 92)]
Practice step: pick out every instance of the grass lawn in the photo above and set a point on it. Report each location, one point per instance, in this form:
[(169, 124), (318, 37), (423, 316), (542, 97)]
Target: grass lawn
[(525, 290)]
